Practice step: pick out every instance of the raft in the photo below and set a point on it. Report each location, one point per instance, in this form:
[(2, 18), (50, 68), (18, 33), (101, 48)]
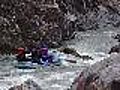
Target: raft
[(26, 65)]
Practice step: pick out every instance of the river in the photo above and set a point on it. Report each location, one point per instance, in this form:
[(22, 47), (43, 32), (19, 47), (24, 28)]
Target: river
[(93, 43)]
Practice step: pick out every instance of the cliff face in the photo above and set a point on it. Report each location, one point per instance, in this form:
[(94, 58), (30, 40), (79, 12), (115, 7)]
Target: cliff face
[(28, 22)]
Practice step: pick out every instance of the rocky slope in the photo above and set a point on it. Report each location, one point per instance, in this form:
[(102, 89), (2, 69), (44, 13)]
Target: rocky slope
[(101, 76)]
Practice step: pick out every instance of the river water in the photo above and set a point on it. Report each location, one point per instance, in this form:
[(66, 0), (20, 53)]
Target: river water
[(93, 43)]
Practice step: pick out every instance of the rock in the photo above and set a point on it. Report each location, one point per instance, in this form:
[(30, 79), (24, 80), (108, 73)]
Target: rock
[(71, 61), (28, 85), (72, 51), (86, 57), (115, 49), (103, 75), (54, 45), (117, 37), (67, 50), (115, 85)]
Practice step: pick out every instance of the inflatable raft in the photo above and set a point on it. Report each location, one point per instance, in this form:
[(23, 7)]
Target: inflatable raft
[(26, 65)]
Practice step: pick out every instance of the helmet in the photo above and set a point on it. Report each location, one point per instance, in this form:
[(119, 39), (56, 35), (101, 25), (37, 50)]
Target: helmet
[(20, 50)]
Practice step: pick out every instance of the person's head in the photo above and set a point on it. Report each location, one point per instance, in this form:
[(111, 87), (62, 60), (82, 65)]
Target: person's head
[(44, 46)]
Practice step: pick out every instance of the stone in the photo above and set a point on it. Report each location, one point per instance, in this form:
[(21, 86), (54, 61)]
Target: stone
[(103, 75), (27, 85), (117, 37), (115, 49)]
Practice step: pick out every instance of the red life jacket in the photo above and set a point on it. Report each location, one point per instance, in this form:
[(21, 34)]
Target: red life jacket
[(21, 51)]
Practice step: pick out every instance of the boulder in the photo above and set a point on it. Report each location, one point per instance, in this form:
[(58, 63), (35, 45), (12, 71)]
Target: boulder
[(103, 75), (72, 51), (115, 49), (117, 37)]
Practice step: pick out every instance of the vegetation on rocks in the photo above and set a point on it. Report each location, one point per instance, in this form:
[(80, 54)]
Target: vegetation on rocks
[(27, 22)]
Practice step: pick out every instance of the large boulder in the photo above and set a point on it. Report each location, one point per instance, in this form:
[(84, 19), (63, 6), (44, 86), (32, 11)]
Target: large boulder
[(103, 75)]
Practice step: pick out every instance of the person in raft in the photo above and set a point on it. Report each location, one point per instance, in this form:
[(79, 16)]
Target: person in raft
[(20, 54), (46, 58)]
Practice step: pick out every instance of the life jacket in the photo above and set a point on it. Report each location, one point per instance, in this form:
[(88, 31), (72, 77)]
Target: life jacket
[(44, 51), (20, 52)]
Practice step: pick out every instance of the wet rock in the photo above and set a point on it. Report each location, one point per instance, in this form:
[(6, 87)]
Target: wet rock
[(67, 50), (117, 37), (72, 51), (115, 49), (86, 57)]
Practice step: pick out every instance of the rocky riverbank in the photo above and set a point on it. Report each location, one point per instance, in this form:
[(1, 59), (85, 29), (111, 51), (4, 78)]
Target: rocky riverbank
[(61, 78), (27, 23), (90, 27)]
